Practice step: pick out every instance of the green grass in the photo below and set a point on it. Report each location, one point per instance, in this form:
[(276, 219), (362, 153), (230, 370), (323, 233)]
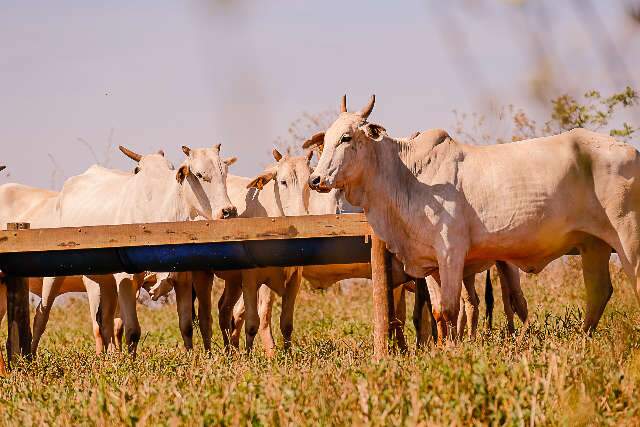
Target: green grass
[(554, 376)]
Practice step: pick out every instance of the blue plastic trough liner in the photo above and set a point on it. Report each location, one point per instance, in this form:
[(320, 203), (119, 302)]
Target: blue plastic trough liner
[(185, 257)]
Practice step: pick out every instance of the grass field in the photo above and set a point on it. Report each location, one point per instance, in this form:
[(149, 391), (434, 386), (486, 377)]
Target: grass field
[(555, 376)]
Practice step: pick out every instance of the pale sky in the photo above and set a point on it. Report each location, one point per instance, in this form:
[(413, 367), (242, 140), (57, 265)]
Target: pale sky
[(160, 74)]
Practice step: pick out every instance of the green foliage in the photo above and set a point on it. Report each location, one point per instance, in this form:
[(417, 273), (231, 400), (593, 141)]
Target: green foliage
[(508, 124), (555, 375), (594, 112)]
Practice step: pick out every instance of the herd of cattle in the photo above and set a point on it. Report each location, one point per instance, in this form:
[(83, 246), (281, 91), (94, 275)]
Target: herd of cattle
[(446, 210)]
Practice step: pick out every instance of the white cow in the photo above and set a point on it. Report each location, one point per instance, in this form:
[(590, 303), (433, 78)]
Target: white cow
[(20, 203), (512, 296), (280, 190), (154, 192), (459, 207)]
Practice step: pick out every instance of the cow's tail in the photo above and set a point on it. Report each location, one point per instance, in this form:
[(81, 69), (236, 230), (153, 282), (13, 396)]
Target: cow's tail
[(488, 299)]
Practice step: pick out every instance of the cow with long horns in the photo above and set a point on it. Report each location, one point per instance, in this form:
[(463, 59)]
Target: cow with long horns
[(458, 207)]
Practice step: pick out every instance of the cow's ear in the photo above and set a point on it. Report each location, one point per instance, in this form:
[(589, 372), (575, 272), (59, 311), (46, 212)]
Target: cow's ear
[(261, 180), (316, 140), (374, 131), (230, 161), (183, 172), (276, 155)]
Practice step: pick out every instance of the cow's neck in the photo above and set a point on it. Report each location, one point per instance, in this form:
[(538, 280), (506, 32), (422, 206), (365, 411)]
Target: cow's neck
[(390, 194)]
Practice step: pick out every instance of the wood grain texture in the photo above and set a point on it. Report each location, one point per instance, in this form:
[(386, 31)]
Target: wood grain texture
[(19, 334), (380, 268), (173, 233)]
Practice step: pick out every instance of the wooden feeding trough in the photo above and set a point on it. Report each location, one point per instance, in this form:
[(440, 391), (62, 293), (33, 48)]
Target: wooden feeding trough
[(181, 246)]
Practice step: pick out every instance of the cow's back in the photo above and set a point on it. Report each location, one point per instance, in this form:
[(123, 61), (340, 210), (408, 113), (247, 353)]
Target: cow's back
[(21, 203)]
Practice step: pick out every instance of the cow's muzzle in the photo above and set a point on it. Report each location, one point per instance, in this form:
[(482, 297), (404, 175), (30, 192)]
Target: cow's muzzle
[(229, 212), (316, 183)]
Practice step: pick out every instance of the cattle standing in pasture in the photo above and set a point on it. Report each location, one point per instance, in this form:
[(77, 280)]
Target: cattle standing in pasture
[(512, 296), (278, 191), (154, 192), (20, 203), (457, 208)]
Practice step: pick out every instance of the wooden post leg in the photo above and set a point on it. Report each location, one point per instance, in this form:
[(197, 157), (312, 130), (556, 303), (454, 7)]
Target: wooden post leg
[(383, 308), (19, 339)]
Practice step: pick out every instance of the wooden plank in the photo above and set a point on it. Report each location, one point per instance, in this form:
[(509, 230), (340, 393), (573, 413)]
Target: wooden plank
[(380, 266), (19, 333), (154, 234)]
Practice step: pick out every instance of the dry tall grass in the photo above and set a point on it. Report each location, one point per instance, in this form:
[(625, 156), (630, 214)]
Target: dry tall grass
[(556, 375)]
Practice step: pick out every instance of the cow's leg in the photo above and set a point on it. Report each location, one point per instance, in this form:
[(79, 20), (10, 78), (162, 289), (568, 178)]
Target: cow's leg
[(400, 311), (511, 275), (451, 265), (462, 314), (488, 300), (250, 297), (435, 295), (184, 306), (118, 329), (595, 269), (127, 301), (111, 325), (202, 283), (226, 304), (237, 322), (471, 310), (102, 301), (506, 299), (3, 311), (266, 298), (422, 315), (50, 289), (292, 286)]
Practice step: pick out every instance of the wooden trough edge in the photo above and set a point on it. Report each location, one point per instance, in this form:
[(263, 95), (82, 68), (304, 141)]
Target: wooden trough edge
[(176, 233)]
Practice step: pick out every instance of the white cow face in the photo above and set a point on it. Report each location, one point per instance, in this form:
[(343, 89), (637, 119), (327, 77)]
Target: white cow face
[(205, 164), (343, 159), (291, 175)]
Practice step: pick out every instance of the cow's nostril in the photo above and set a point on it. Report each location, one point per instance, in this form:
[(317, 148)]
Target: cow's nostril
[(231, 212), (314, 181)]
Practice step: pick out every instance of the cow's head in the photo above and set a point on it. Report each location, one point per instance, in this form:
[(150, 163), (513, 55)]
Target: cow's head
[(158, 284), (205, 164), (343, 147), (148, 163), (291, 175)]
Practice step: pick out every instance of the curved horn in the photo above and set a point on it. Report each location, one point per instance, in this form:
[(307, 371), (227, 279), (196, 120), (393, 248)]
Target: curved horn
[(368, 108), (130, 154), (343, 104)]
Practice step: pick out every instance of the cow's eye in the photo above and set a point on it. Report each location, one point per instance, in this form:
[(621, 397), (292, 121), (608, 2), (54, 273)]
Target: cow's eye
[(136, 170), (345, 138), (199, 175), (283, 183)]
